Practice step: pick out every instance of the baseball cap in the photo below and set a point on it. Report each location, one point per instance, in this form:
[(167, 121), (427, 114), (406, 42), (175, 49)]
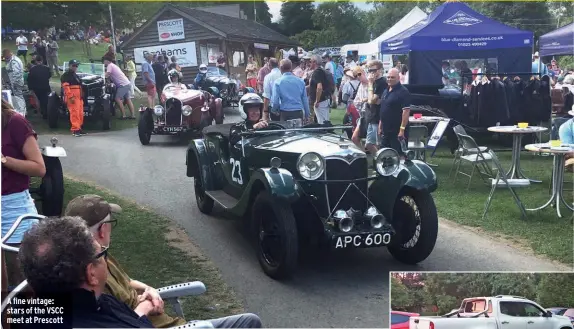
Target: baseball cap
[(92, 208), (73, 62)]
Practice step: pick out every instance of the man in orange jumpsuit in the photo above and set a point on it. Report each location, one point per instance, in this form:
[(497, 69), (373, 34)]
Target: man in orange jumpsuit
[(72, 85)]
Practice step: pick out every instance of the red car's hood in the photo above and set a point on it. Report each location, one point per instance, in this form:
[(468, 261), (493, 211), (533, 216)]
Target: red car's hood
[(184, 95)]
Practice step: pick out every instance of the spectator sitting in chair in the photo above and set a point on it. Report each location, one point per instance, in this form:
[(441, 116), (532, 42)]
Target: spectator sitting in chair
[(566, 133), (99, 216), (64, 263)]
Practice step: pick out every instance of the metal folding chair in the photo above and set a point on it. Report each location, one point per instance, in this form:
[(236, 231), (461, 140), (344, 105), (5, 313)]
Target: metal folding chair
[(480, 160), (458, 129), (511, 184), (418, 141)]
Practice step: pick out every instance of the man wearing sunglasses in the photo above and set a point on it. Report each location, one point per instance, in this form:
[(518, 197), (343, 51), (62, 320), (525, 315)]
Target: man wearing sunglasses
[(98, 215), (72, 86), (65, 264), (377, 85)]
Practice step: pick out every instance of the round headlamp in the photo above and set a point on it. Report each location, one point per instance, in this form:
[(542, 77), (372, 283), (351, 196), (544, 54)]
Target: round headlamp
[(186, 110), (387, 161), (158, 110), (311, 165)]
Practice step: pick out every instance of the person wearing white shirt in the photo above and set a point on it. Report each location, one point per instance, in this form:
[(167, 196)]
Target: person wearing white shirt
[(350, 62), (268, 87), (22, 43)]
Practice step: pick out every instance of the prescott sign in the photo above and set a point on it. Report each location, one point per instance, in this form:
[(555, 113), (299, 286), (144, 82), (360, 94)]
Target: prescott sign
[(171, 29), (184, 52)]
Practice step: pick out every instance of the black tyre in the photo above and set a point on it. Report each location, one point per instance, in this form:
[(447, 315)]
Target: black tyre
[(416, 224), (204, 202), (106, 115), (53, 110), (276, 234), (144, 129), (52, 188)]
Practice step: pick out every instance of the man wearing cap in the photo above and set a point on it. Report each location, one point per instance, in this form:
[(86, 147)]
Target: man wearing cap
[(99, 217), (72, 85), (537, 66)]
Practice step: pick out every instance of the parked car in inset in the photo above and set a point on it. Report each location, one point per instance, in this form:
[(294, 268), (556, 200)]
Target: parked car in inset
[(400, 320)]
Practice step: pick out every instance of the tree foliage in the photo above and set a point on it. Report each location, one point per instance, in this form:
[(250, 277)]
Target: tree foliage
[(443, 292), (296, 17)]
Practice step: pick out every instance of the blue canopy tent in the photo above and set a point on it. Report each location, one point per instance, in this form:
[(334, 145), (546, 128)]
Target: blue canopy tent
[(558, 42), (454, 31)]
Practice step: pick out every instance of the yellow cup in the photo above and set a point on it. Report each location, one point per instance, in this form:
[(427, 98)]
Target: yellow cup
[(555, 143), (523, 125)]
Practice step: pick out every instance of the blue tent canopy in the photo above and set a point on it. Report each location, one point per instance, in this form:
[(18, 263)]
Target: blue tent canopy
[(455, 26), (558, 42)]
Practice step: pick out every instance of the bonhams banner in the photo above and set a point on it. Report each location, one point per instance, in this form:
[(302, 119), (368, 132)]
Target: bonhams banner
[(171, 29), (184, 52)]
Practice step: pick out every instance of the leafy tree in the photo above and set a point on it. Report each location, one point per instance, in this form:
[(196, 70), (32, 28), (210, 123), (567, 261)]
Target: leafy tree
[(556, 289), (401, 297), (296, 17)]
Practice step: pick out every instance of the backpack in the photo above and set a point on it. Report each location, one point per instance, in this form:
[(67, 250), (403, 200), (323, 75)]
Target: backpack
[(329, 86)]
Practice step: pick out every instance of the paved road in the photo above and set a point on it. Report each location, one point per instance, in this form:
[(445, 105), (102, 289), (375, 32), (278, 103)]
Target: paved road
[(344, 289)]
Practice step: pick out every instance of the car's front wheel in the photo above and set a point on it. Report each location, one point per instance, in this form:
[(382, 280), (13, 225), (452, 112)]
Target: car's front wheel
[(276, 234), (52, 188), (53, 110), (415, 220), (144, 130), (204, 202)]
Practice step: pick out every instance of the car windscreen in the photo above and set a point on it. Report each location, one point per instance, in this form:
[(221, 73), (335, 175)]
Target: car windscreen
[(90, 68), (215, 71), (399, 318)]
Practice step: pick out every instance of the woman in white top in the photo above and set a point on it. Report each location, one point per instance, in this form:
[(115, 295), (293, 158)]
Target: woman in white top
[(404, 75), (360, 101)]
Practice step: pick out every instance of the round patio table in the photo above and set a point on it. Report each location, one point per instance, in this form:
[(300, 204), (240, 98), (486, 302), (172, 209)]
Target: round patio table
[(515, 171), (559, 154)]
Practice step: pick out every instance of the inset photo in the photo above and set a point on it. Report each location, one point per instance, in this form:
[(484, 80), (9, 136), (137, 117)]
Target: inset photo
[(488, 300)]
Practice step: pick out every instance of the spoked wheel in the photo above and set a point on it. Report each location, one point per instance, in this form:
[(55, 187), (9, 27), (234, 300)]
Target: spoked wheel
[(276, 236), (416, 224), (204, 202)]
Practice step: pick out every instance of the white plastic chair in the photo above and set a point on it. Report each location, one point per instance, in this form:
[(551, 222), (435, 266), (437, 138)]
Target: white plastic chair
[(480, 160), (418, 142)]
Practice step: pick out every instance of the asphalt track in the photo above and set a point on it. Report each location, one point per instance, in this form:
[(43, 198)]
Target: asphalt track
[(340, 289)]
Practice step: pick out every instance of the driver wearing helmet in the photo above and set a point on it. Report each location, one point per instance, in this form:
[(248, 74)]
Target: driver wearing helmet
[(250, 109), (201, 75), (174, 77)]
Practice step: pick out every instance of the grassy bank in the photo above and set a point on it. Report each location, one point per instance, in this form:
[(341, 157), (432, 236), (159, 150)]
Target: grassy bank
[(154, 250), (543, 232)]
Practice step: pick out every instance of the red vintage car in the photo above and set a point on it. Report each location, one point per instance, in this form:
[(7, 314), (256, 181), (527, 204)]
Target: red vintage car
[(400, 320), (184, 110)]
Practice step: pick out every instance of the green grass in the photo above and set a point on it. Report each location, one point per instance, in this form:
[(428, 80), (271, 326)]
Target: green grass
[(155, 251), (542, 231), (70, 49), (90, 125)]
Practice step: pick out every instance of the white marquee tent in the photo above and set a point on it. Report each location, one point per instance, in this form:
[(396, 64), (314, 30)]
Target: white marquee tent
[(373, 48)]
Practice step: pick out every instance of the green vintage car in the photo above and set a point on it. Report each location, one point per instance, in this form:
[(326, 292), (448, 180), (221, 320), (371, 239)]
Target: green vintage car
[(297, 184)]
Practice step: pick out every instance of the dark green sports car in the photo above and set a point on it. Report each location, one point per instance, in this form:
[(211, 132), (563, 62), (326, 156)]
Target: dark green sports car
[(295, 185)]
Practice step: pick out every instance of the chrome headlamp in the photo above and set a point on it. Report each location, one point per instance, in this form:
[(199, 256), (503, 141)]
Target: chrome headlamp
[(344, 221), (311, 165), (377, 220), (186, 110), (387, 161), (158, 110)]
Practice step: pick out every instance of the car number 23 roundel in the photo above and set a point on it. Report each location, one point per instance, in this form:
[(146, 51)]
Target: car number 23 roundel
[(236, 171)]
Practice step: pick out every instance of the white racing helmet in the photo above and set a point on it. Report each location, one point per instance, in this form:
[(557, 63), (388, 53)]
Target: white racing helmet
[(174, 73), (203, 68), (250, 100)]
